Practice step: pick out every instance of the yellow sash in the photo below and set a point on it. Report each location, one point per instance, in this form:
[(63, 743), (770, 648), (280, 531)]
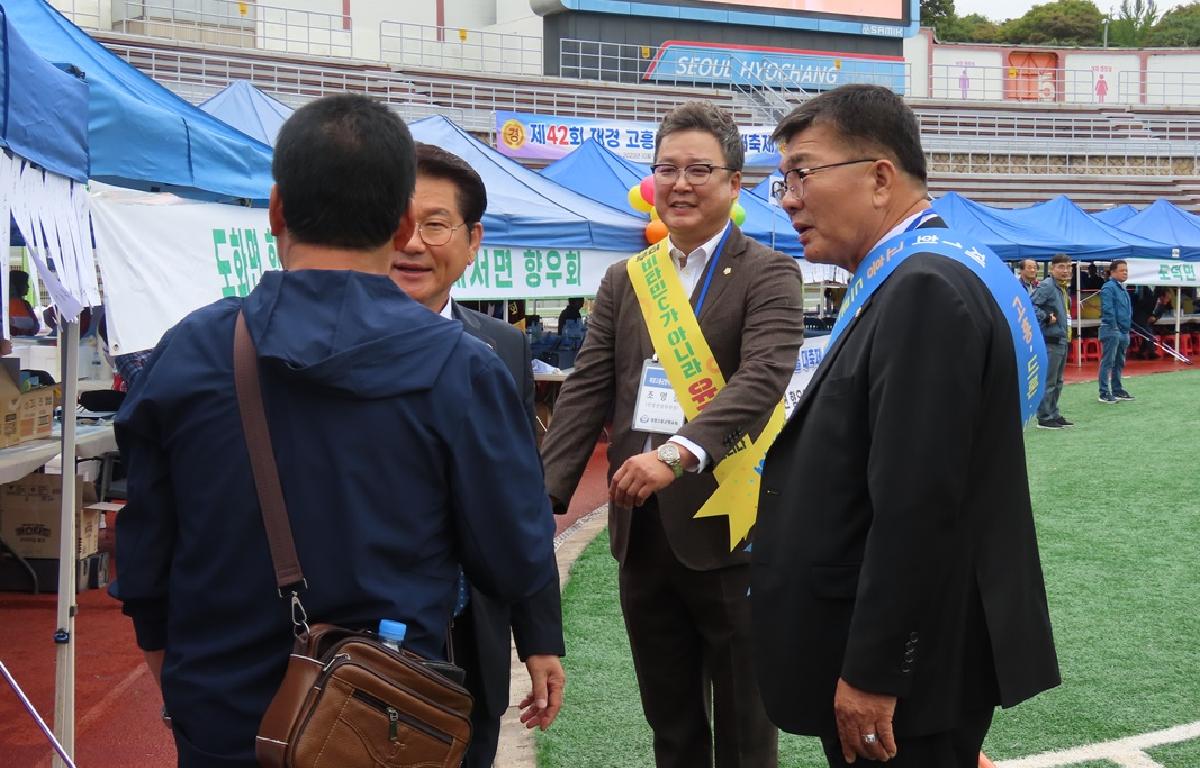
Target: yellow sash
[(696, 379)]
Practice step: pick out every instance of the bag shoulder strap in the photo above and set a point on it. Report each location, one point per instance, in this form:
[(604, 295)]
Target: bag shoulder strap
[(262, 459)]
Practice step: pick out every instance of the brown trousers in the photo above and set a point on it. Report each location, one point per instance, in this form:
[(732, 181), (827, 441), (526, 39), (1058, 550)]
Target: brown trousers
[(690, 636)]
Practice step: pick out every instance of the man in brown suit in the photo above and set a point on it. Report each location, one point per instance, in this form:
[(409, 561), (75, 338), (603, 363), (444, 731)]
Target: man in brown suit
[(683, 592)]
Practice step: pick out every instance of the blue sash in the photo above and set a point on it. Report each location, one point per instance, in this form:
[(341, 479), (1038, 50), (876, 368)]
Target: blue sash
[(1028, 345)]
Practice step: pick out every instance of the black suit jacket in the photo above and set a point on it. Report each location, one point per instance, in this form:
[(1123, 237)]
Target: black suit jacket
[(537, 622), (895, 544)]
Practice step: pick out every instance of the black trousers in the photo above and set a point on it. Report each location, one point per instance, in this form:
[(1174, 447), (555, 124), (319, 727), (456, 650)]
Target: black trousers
[(958, 748), (690, 636), (485, 724)]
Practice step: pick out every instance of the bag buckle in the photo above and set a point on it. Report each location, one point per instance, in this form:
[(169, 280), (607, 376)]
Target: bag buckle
[(299, 616)]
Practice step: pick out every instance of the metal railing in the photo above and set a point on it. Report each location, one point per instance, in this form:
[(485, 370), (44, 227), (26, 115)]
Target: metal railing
[(1165, 88), (1118, 126), (459, 48), (988, 159), (82, 13), (237, 23), (1071, 86), (471, 104)]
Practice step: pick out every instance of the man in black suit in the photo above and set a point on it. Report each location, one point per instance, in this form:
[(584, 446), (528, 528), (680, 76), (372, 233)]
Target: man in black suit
[(448, 204), (897, 592)]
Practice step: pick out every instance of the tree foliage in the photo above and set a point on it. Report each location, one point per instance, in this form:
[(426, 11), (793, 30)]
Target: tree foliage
[(1178, 27), (1133, 24), (1063, 22)]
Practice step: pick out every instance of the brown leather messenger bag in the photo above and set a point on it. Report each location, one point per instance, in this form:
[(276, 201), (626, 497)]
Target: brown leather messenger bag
[(347, 700)]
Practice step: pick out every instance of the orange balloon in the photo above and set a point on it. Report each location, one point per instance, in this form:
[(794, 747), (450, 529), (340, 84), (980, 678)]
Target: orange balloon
[(655, 231)]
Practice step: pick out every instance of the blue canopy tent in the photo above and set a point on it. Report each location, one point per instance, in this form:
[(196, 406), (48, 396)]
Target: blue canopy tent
[(141, 135), (1114, 216), (984, 225), (1042, 230), (596, 172), (43, 109), (248, 109), (1082, 236), (1163, 221), (527, 209)]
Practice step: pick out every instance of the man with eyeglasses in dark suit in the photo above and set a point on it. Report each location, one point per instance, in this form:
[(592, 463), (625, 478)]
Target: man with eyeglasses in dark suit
[(682, 589)]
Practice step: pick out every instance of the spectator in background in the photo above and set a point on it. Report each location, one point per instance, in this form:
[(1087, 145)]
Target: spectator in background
[(1149, 304), (1091, 278), (570, 312), (1116, 315), (22, 320), (1050, 302), (1027, 274)]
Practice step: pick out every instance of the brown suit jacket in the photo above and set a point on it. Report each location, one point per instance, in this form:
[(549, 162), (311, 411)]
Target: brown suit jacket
[(752, 319)]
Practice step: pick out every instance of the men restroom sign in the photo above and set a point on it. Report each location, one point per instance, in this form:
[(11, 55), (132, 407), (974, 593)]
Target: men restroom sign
[(680, 61)]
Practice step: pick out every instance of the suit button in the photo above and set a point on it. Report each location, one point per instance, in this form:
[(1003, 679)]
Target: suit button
[(906, 668), (772, 492), (909, 655), (913, 637)]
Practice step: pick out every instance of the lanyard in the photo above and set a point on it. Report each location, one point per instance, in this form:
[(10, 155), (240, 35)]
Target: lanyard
[(712, 266)]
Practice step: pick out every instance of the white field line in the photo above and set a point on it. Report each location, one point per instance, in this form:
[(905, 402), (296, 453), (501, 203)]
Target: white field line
[(1127, 752)]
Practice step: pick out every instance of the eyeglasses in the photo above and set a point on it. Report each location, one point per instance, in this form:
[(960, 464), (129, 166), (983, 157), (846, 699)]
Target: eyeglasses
[(437, 233), (780, 189), (695, 174)]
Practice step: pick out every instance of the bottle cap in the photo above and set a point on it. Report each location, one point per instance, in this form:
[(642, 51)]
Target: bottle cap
[(392, 630)]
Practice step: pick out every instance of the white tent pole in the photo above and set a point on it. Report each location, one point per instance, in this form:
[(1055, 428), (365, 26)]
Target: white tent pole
[(68, 549), (1079, 312), (1178, 309)]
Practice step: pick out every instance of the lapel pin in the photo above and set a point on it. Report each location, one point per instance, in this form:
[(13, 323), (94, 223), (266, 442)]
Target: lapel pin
[(728, 270)]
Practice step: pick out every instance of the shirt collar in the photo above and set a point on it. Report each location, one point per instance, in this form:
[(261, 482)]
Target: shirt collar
[(447, 311), (926, 213), (701, 255)]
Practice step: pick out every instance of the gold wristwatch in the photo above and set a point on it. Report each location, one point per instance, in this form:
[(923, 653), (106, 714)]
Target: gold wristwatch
[(668, 453)]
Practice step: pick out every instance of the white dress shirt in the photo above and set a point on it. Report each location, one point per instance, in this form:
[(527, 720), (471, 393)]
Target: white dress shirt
[(690, 275)]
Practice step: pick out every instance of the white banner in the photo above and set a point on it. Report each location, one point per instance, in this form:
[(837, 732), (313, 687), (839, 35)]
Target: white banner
[(162, 257), (1163, 272)]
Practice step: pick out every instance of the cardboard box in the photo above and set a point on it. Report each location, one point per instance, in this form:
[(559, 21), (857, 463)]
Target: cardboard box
[(90, 573), (23, 415), (31, 510)]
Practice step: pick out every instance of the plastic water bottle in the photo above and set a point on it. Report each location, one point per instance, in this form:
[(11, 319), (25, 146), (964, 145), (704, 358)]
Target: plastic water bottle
[(391, 633)]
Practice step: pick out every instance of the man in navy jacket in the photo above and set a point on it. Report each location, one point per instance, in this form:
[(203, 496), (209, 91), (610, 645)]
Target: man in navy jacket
[(402, 448)]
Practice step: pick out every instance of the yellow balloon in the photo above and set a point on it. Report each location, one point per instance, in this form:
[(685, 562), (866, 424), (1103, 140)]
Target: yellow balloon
[(653, 214), (738, 214), (636, 201)]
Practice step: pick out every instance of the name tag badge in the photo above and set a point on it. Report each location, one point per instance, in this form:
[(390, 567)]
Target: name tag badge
[(657, 409)]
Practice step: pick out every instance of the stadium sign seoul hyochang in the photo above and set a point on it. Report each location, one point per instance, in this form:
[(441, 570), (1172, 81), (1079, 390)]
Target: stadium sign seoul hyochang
[(775, 67)]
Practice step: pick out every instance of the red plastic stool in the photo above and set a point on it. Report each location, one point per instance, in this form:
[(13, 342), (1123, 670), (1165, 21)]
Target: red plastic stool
[(1190, 342), (1091, 348)]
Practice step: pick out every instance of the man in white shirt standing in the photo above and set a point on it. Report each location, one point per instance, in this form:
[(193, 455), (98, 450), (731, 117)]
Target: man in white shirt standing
[(683, 591)]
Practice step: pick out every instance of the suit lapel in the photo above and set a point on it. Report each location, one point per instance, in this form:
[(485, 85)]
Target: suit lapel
[(470, 323), (827, 362)]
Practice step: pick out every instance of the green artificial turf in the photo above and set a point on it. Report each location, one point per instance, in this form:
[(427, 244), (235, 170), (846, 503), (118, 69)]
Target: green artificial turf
[(1117, 502)]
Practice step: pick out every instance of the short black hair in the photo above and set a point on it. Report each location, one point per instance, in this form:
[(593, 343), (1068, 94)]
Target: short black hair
[(437, 163), (705, 116), (867, 117), (345, 170), (18, 283), (1115, 263), (1060, 258)]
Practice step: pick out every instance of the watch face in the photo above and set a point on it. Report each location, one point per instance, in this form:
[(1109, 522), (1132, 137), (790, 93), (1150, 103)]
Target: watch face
[(668, 452)]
